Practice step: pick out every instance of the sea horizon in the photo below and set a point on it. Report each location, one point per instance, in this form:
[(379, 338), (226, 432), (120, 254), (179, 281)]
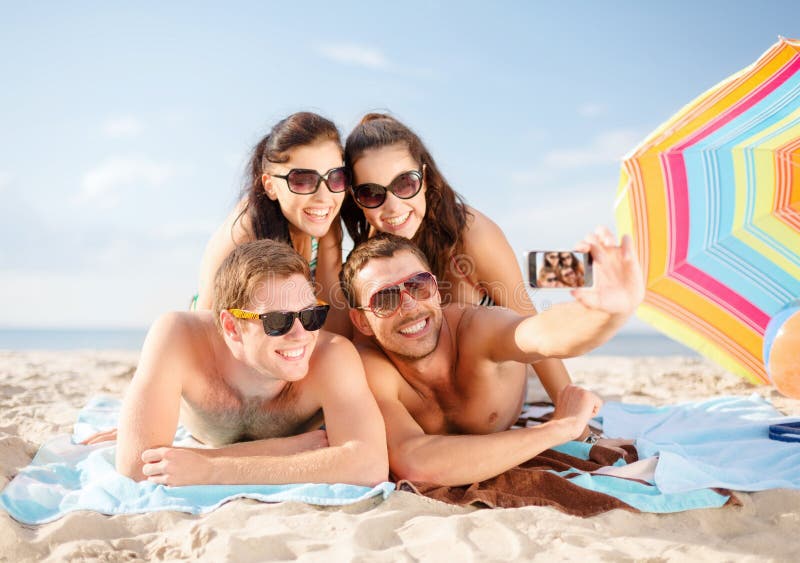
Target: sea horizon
[(635, 344)]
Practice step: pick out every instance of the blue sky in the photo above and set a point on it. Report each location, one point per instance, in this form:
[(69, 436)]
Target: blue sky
[(124, 129)]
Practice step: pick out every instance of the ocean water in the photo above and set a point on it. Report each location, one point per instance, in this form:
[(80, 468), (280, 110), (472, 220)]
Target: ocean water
[(623, 344)]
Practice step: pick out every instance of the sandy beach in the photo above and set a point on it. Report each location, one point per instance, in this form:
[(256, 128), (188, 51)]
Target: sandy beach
[(41, 393)]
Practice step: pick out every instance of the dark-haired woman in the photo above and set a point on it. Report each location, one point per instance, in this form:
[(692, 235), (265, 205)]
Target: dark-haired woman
[(294, 190), (398, 188)]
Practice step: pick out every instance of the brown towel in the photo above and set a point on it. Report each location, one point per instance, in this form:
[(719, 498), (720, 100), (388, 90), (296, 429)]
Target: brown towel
[(530, 484)]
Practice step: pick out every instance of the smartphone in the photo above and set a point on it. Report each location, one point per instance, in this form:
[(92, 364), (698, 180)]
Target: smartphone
[(559, 269)]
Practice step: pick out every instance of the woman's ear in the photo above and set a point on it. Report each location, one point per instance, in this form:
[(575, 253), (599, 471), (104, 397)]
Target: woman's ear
[(269, 188), (359, 320)]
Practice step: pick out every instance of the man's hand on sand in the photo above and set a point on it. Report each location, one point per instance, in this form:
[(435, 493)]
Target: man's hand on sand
[(618, 286), (576, 405), (178, 466)]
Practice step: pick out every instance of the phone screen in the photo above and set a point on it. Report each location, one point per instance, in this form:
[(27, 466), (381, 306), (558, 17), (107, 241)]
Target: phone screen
[(559, 269)]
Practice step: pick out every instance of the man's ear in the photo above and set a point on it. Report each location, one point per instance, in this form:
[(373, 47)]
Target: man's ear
[(266, 181), (359, 320), (229, 327)]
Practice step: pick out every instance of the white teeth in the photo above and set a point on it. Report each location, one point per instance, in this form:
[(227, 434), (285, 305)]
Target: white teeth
[(317, 212), (413, 329), (394, 221), (296, 353)]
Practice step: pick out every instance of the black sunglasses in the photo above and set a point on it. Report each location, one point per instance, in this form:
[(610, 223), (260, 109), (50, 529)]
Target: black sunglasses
[(386, 301), (304, 181), (278, 323), (405, 186)]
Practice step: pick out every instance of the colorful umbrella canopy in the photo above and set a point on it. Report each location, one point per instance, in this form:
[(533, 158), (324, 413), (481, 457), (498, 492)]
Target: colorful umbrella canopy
[(712, 201)]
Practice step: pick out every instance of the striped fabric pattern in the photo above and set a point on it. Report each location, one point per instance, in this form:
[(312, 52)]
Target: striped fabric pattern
[(712, 201)]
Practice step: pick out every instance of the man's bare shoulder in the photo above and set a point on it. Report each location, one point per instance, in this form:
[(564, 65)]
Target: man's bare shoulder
[(334, 353), (182, 340), (474, 326)]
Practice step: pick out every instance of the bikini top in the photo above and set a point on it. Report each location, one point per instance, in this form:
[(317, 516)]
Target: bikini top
[(312, 262), (486, 299)]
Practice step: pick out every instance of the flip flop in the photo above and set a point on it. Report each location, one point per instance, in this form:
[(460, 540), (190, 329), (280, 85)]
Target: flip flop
[(785, 432)]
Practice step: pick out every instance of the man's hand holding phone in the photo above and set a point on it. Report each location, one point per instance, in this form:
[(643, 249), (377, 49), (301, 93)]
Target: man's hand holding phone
[(618, 281)]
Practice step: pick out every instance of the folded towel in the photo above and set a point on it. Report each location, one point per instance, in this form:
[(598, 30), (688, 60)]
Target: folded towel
[(65, 476), (564, 478), (721, 442)]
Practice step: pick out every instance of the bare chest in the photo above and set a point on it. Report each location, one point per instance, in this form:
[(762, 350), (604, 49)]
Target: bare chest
[(478, 402), (218, 417)]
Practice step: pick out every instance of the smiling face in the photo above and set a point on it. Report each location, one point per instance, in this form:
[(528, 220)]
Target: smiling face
[(380, 166), (413, 331), (311, 214), (284, 357)]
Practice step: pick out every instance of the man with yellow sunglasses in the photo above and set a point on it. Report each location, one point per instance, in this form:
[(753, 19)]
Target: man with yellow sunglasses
[(254, 379)]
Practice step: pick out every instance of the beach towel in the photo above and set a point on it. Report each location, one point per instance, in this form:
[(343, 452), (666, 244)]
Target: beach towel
[(567, 478), (65, 476), (721, 442)]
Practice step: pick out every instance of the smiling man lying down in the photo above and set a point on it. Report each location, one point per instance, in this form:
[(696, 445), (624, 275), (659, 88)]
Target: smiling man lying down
[(450, 380), (254, 378)]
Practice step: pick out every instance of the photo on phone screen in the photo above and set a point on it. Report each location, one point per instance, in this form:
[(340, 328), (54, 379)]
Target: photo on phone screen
[(559, 269)]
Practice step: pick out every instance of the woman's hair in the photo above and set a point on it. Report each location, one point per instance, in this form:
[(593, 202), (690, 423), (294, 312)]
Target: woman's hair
[(576, 265), (299, 129), (446, 214)]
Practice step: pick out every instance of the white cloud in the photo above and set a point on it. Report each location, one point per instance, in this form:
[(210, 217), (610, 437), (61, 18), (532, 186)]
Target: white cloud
[(606, 148), (591, 109), (104, 181), (122, 126), (353, 54)]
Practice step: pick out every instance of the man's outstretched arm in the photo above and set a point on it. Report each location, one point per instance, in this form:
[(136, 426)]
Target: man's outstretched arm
[(572, 329)]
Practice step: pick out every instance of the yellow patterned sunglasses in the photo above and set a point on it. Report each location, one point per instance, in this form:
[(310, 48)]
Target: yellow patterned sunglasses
[(277, 323)]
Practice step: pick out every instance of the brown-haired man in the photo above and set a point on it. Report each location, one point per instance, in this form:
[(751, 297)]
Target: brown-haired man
[(449, 380), (254, 388)]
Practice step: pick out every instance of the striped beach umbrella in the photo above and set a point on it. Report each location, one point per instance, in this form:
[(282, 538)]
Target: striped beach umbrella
[(712, 201)]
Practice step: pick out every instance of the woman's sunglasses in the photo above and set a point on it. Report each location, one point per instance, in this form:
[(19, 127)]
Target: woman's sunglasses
[(278, 323), (386, 302), (306, 182), (404, 186)]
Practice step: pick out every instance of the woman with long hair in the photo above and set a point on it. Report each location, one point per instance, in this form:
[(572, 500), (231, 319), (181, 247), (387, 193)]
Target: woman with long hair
[(398, 188), (296, 182)]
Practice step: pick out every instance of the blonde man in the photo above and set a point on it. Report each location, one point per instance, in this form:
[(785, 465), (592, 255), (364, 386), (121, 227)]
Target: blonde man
[(254, 378)]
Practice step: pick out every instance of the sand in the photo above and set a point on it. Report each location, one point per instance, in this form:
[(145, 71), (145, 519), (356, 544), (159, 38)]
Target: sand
[(41, 393)]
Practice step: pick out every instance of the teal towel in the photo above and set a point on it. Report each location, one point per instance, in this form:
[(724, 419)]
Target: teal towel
[(721, 442), (65, 476)]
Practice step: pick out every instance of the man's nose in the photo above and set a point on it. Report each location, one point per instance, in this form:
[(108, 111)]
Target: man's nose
[(409, 303)]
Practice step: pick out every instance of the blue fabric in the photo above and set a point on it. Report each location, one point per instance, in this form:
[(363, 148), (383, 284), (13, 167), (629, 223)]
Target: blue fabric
[(642, 496), (65, 476), (721, 442)]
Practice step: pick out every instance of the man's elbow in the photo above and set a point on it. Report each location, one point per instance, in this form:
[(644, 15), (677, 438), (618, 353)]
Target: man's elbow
[(371, 466), (408, 468), (132, 469)]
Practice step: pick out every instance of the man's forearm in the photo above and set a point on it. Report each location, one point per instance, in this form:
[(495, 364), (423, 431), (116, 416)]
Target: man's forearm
[(272, 446), (567, 330), (352, 463), (553, 375), (451, 460)]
